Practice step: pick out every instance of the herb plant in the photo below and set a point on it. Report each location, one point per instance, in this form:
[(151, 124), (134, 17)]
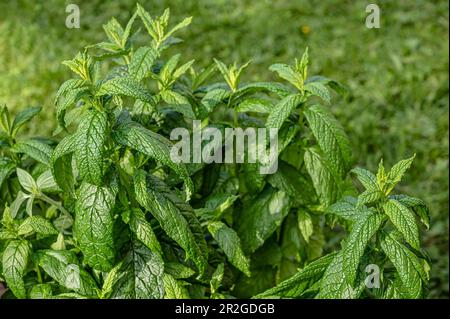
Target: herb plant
[(106, 213)]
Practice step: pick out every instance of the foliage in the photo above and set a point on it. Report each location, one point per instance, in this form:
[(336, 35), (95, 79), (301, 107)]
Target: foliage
[(109, 215)]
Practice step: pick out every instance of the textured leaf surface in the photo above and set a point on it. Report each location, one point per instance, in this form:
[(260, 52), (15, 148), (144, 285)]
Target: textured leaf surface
[(404, 221), (143, 231), (417, 205), (35, 149), (126, 86), (331, 138), (94, 225), (407, 264), (141, 275), (61, 164), (324, 182), (294, 286), (282, 110), (37, 224), (14, 264), (91, 139), (339, 278), (261, 217), (142, 62), (230, 243), (63, 266), (169, 216), (154, 145)]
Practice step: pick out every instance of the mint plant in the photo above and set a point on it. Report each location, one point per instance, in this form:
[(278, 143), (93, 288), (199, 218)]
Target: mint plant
[(106, 213)]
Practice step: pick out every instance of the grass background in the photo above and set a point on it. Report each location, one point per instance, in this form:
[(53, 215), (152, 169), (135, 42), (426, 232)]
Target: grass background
[(397, 75)]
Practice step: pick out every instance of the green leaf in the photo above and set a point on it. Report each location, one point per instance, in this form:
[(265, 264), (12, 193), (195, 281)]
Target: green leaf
[(305, 224), (35, 149), (318, 89), (408, 266), (7, 166), (289, 74), (339, 278), (230, 243), (324, 182), (26, 180), (178, 103), (346, 209), (404, 220), (170, 217), (141, 62), (46, 181), (417, 205), (271, 87), (92, 136), (331, 138), (24, 117), (37, 224), (111, 279), (126, 86), (61, 164), (281, 111), (369, 196), (141, 275), (294, 286), (143, 230), (397, 171), (256, 105), (94, 225), (367, 179), (71, 98), (14, 264), (63, 266), (178, 271), (154, 145), (261, 216), (291, 181), (41, 291), (213, 98), (174, 289), (217, 278)]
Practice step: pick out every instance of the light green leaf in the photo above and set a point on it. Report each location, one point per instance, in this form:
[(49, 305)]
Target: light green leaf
[(178, 271), (289, 74), (305, 224), (141, 62), (417, 205), (294, 286), (165, 208), (230, 243), (61, 164), (397, 171), (14, 264), (46, 181), (404, 220), (63, 266), (94, 225), (141, 275), (26, 180), (367, 179)]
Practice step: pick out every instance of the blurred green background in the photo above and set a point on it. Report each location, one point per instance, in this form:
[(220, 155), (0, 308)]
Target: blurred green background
[(397, 75)]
